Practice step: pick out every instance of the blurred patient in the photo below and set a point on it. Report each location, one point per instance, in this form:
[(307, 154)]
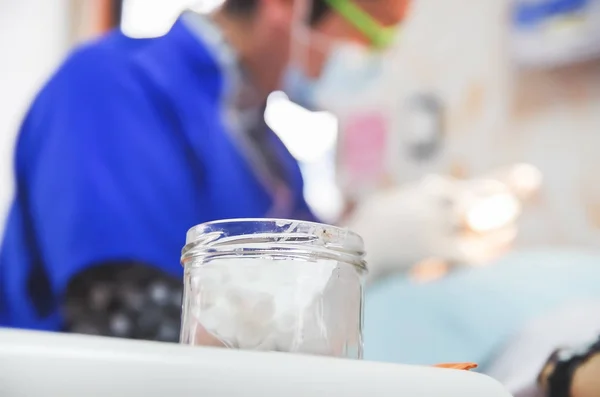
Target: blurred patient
[(133, 141), (530, 319)]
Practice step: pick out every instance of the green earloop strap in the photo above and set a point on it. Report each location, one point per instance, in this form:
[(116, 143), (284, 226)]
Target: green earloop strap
[(378, 35)]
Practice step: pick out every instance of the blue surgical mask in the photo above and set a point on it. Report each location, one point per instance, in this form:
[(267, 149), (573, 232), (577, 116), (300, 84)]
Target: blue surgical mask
[(348, 71), (299, 87)]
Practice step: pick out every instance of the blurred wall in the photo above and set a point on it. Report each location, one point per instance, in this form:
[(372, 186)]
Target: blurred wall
[(498, 114), (34, 36), (555, 125)]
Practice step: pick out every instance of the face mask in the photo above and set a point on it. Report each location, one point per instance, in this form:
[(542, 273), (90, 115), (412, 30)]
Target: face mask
[(349, 70), (299, 87), (349, 67)]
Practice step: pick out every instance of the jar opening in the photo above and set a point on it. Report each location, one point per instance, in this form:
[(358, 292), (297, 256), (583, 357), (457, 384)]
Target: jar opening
[(273, 238)]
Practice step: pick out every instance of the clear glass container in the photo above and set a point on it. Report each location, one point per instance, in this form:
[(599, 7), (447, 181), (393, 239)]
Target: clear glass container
[(274, 285)]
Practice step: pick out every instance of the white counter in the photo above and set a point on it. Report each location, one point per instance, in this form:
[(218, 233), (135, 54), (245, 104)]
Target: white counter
[(44, 364)]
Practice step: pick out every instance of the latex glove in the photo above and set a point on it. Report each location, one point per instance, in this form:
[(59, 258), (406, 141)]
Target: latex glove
[(419, 221), (405, 225)]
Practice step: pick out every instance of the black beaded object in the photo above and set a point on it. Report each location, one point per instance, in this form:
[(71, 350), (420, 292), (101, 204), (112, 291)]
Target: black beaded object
[(564, 363), (126, 300)]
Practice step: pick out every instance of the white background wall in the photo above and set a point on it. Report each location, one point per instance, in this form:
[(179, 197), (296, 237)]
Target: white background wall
[(497, 114), (34, 36)]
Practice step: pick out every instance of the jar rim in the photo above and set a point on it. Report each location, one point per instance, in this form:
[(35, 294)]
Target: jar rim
[(269, 236)]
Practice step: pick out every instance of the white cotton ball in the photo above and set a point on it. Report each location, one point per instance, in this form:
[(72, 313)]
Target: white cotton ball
[(220, 320), (284, 331), (265, 304), (255, 320), (267, 345), (251, 335), (262, 309)]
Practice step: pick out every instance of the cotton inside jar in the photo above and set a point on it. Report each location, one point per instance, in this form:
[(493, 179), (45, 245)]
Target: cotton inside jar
[(274, 285)]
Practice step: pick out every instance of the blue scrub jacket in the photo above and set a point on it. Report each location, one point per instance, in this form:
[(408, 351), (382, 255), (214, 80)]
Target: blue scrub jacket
[(128, 146)]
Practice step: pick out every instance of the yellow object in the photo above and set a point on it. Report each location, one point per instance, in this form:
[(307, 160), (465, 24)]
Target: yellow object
[(461, 366)]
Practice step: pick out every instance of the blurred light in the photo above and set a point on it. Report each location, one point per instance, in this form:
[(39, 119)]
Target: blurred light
[(321, 192), (525, 180), (153, 18), (206, 6), (493, 213), (484, 249), (311, 139), (429, 269), (307, 135)]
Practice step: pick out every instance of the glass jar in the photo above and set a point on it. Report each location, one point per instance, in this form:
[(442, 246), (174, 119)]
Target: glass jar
[(274, 285)]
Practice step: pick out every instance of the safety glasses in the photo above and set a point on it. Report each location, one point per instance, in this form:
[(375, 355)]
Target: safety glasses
[(379, 36)]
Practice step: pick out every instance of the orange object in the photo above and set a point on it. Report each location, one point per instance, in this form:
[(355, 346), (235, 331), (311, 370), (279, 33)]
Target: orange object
[(462, 366)]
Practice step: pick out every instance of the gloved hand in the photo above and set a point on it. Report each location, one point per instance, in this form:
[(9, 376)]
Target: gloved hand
[(434, 219)]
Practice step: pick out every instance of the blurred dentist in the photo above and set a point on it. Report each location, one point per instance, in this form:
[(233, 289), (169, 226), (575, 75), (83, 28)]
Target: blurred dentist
[(133, 141)]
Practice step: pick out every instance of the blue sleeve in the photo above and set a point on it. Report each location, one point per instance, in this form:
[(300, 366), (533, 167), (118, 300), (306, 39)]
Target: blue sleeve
[(106, 174)]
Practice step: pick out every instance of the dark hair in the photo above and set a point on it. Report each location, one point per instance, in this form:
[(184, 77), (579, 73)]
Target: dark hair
[(242, 7)]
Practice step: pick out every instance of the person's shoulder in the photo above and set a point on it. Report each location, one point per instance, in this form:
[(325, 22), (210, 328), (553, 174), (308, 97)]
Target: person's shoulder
[(95, 92), (101, 71), (104, 59), (129, 65)]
